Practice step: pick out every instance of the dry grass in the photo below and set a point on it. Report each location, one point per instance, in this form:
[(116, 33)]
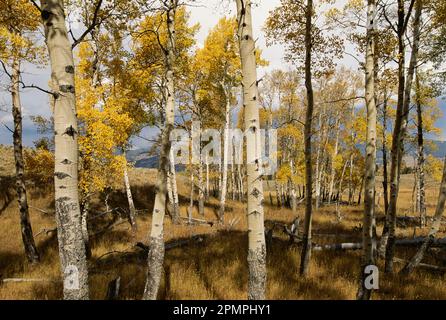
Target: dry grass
[(214, 268)]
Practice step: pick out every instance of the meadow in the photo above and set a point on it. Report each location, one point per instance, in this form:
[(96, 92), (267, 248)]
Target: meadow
[(206, 261)]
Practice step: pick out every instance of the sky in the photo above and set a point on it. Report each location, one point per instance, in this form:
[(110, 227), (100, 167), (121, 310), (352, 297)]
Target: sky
[(207, 13)]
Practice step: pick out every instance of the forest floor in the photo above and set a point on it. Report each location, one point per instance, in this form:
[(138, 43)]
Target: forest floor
[(214, 266)]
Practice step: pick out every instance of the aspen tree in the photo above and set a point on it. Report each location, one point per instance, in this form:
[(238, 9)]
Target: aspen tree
[(369, 245), (156, 254), (306, 246), (18, 21), (256, 233), (68, 215), (402, 113)]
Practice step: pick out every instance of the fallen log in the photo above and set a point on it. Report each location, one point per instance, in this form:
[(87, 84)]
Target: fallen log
[(171, 244), (422, 265), (358, 245), (15, 280), (198, 221), (338, 246)]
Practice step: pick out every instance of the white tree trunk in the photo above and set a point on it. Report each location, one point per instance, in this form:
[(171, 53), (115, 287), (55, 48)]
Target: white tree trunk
[(368, 241), (156, 253), (174, 189), (256, 232), (68, 215), (225, 159), (128, 191)]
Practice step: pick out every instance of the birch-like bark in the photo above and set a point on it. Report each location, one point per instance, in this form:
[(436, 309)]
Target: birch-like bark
[(221, 212), (401, 121), (333, 158), (256, 230), (192, 190), (156, 253), (317, 184), (68, 215), (174, 188), (368, 241), (25, 223), (420, 158), (207, 179), (201, 187), (128, 191), (385, 232), (416, 259), (306, 245)]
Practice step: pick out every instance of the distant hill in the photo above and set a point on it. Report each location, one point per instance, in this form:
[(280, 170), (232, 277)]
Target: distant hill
[(439, 151)]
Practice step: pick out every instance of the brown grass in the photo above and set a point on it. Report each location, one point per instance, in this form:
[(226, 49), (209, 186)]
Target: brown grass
[(214, 268)]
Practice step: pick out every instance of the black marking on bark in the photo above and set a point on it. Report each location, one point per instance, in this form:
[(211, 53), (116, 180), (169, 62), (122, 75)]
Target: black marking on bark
[(70, 131), (45, 14), (69, 69), (254, 98), (255, 192), (244, 24), (62, 187), (66, 161), (246, 37), (63, 199), (61, 175), (67, 88)]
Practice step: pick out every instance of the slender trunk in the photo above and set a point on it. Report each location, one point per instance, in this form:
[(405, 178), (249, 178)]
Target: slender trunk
[(201, 191), (207, 178), (173, 186), (192, 190), (132, 210), (306, 245), (68, 215), (333, 158), (420, 157), (317, 185), (368, 241), (156, 253), (256, 232), (385, 232), (416, 259), (225, 159), (25, 223), (404, 90), (293, 190)]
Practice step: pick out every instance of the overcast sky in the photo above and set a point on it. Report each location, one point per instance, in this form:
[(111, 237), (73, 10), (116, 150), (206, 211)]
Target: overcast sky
[(207, 13)]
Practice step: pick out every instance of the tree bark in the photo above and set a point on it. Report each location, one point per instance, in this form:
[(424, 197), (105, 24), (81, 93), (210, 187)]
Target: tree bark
[(68, 215), (385, 232), (306, 246), (132, 210), (256, 230), (333, 158), (402, 113), (369, 244), (156, 253), (25, 223), (221, 212), (173, 186), (420, 158)]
